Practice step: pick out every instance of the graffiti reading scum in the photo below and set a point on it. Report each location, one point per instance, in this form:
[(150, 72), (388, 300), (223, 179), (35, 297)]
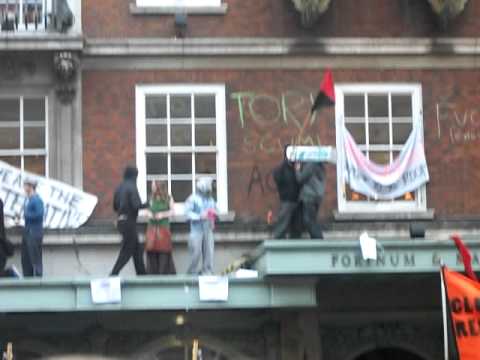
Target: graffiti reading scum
[(268, 112)]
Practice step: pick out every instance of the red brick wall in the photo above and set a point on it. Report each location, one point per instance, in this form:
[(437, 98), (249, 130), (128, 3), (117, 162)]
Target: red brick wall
[(278, 18), (451, 122)]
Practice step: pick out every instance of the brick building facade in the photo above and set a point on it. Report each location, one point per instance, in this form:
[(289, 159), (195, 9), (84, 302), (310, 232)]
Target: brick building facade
[(219, 92)]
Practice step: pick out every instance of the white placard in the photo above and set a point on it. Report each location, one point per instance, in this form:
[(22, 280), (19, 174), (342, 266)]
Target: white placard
[(246, 274), (368, 246), (106, 291), (213, 288), (312, 153), (65, 206)]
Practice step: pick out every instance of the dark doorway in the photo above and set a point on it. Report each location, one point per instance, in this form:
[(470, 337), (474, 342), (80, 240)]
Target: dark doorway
[(389, 354)]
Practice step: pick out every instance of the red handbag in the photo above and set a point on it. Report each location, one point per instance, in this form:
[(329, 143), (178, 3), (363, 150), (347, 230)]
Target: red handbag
[(158, 239)]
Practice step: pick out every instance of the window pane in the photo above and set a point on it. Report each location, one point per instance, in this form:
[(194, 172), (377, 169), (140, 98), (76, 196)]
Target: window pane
[(157, 164), (32, 12), (181, 135), (34, 110), (12, 160), (378, 105), (156, 135), (358, 132), (401, 132), (206, 163), (181, 190), (205, 135), (180, 106), (380, 157), (156, 106), (181, 163), (354, 106), (35, 164), (401, 106), (34, 138), (378, 133), (9, 110), (9, 138), (205, 106), (354, 196)]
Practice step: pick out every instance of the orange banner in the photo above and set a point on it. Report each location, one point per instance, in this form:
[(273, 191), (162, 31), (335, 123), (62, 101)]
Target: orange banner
[(464, 304)]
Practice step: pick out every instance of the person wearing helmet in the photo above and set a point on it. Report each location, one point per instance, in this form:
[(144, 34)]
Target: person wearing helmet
[(201, 211)]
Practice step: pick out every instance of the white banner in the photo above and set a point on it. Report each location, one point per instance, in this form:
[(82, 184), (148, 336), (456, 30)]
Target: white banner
[(65, 206), (311, 153), (407, 173)]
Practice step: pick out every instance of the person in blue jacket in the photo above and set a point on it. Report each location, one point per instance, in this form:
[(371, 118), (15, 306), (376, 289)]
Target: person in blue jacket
[(201, 210), (32, 263)]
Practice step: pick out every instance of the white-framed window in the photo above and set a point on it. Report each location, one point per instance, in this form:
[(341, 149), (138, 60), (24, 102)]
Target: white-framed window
[(180, 136), (178, 3), (23, 133), (27, 14), (380, 117)]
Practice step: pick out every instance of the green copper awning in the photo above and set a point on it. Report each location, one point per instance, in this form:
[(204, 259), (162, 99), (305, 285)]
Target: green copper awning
[(151, 293), (318, 257)]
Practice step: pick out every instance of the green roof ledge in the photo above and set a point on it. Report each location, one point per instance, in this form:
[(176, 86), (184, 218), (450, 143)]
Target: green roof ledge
[(320, 257), (150, 293)]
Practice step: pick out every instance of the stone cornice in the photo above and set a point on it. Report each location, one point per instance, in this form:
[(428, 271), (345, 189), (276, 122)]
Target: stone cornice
[(282, 46), (41, 41)]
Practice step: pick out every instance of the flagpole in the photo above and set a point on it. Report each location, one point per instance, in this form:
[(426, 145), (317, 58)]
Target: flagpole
[(444, 313)]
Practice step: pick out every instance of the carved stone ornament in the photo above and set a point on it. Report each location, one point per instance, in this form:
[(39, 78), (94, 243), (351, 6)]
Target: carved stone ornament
[(311, 10), (448, 9), (65, 68)]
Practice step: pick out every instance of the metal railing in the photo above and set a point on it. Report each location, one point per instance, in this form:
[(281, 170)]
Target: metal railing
[(35, 15)]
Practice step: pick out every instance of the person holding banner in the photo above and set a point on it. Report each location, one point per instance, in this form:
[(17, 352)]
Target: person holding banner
[(288, 190), (32, 262), (311, 177), (127, 203)]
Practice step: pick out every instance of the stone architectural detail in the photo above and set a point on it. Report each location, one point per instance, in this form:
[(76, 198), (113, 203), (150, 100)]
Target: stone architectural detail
[(348, 342), (311, 10), (448, 9), (65, 67)]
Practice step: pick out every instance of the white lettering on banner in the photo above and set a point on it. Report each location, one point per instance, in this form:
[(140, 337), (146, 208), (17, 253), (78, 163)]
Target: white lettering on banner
[(65, 206), (407, 173)]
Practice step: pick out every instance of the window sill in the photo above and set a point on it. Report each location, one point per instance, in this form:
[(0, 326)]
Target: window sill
[(223, 218), (171, 10), (385, 216)]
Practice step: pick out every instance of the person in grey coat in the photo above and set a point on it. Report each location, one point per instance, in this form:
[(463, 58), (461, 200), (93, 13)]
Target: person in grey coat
[(311, 177)]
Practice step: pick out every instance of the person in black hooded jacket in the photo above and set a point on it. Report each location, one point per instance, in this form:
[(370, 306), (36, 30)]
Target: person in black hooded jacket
[(288, 219), (127, 203)]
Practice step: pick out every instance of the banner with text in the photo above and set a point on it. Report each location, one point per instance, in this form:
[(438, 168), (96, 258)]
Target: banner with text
[(406, 173), (65, 206), (464, 303)]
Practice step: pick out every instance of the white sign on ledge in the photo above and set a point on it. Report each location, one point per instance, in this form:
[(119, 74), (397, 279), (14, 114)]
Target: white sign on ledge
[(106, 291), (213, 288)]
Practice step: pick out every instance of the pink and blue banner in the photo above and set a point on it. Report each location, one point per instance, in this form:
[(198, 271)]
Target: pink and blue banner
[(406, 173)]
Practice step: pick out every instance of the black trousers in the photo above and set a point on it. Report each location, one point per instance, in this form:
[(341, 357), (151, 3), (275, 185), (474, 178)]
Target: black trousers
[(130, 248), (32, 263), (310, 218), (289, 220)]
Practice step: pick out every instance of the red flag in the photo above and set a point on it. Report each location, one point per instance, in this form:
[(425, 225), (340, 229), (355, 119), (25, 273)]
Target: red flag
[(466, 257), (326, 95), (463, 296)]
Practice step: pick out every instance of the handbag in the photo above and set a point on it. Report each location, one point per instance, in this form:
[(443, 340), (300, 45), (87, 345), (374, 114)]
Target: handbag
[(158, 239)]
